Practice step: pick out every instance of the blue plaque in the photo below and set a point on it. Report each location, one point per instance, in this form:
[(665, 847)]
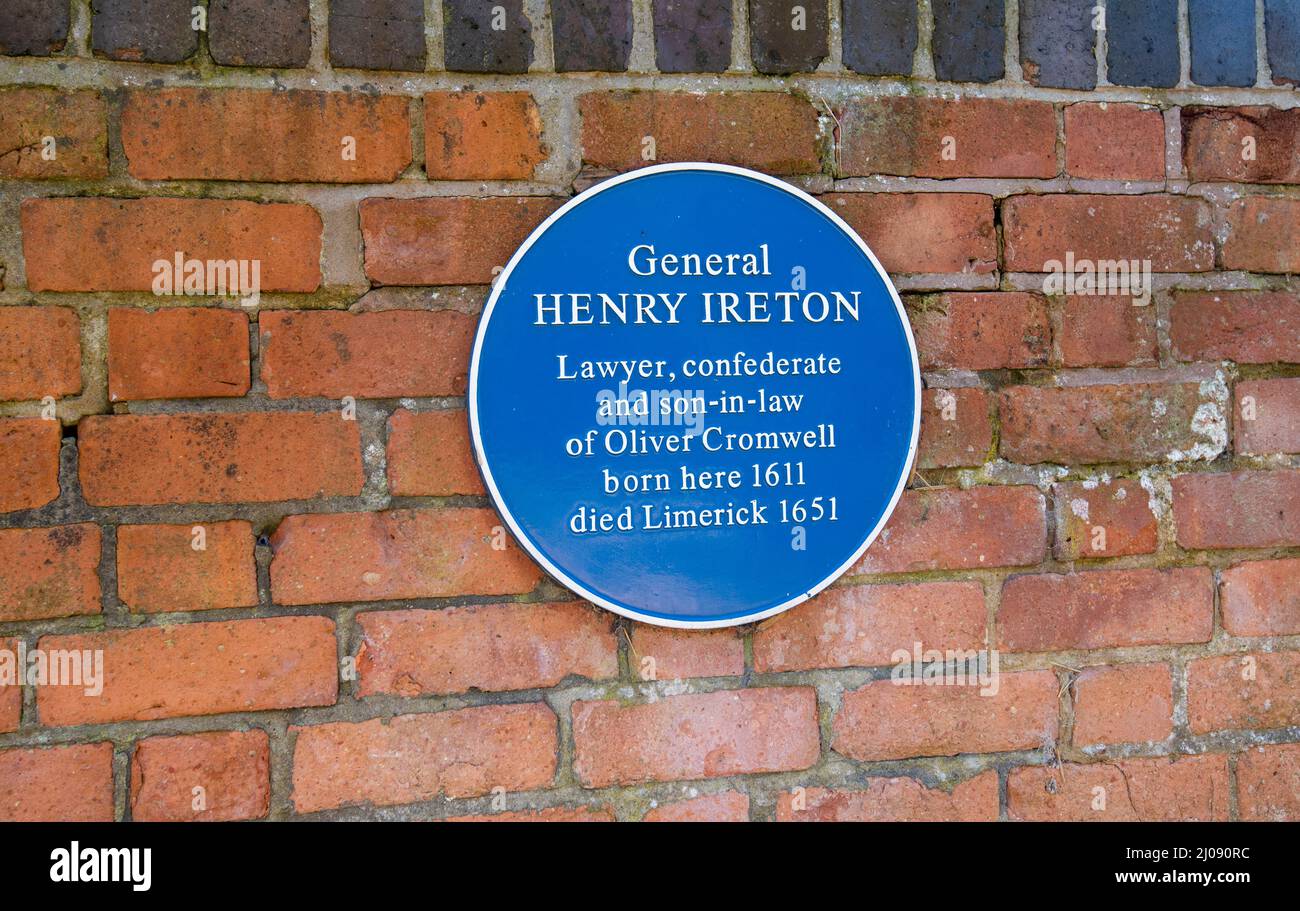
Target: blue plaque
[(694, 395)]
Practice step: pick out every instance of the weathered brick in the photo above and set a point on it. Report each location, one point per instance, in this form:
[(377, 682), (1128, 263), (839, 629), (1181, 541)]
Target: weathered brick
[(1216, 142), (981, 330), (446, 240), (1126, 704), (864, 625), (232, 767), (36, 28), (1058, 43), (550, 814), (1267, 416), (591, 35), (879, 36), (1106, 331), (894, 800), (878, 721), (129, 459), (40, 352), (675, 654), (430, 455), (767, 131), (968, 40), (1222, 42), (1239, 509), (410, 758), (1142, 41), (1261, 598), (1250, 327), (199, 669), (1174, 232), (57, 784), (1282, 27), (923, 232), (725, 806), (159, 569), (692, 36), (482, 136), (486, 38), (1114, 141), (702, 735), (29, 451), (1106, 609), (76, 122), (1268, 783), (49, 572), (978, 528), (1243, 692), (11, 695), (786, 37), (1096, 519), (1260, 235), (90, 244), (177, 353), (253, 33), (955, 428), (1185, 789), (377, 34), (366, 355), (404, 553), (488, 648), (153, 31)]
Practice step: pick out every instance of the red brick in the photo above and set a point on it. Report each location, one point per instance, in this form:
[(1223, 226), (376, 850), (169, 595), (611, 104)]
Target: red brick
[(199, 669), (232, 767), (241, 134), (1174, 232), (446, 240), (1214, 144), (941, 137), (1127, 704), (1268, 783), (218, 458), (1243, 692), (1241, 509), (90, 244), (978, 528), (1106, 331), (1191, 788), (768, 131), (404, 553), (487, 648), (550, 814), (180, 353), (1103, 519), (895, 800), (49, 572), (430, 455), (411, 758), (11, 695), (1113, 141), (77, 120), (725, 806), (1106, 609), (1262, 598), (365, 355), (864, 625), (1142, 422), (482, 136), (40, 352), (879, 720), (1261, 235), (1250, 327), (29, 450), (677, 654), (703, 735), (1267, 418), (923, 233), (158, 568), (978, 331), (955, 428), (57, 784)]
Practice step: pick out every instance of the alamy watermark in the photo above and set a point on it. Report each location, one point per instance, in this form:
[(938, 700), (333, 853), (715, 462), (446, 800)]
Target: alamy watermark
[(53, 667)]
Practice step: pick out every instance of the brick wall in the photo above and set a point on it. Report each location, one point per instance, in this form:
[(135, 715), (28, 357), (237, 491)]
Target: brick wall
[(1107, 494)]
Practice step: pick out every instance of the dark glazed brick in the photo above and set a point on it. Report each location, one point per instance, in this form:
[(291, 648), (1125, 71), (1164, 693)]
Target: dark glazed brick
[(1143, 41), (777, 46), (377, 34), (591, 35), (474, 46), (1223, 41), (35, 28), (1058, 45), (880, 36), (692, 36), (969, 40), (257, 33), (156, 31), (1282, 26)]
